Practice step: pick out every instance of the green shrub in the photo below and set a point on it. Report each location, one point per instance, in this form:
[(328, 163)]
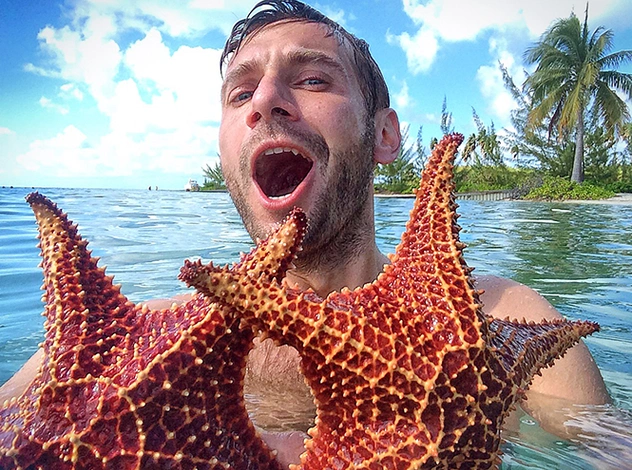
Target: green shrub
[(620, 187), (490, 177), (213, 178), (555, 188)]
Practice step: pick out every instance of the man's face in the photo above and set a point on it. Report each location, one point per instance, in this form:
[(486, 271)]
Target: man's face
[(295, 132)]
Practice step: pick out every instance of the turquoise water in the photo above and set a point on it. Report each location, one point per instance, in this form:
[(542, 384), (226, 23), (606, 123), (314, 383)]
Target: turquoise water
[(579, 256)]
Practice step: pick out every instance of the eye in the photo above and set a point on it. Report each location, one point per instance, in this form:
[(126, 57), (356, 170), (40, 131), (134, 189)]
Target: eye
[(314, 83), (241, 96)]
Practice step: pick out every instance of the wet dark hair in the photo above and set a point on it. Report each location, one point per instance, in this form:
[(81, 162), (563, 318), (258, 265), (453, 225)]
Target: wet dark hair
[(372, 83)]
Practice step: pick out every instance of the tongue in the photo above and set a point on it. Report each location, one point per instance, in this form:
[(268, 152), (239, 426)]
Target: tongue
[(283, 183)]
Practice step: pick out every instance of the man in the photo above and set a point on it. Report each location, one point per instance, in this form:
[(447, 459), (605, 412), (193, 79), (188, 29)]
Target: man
[(305, 119)]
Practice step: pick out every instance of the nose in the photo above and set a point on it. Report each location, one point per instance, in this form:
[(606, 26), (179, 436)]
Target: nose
[(271, 100)]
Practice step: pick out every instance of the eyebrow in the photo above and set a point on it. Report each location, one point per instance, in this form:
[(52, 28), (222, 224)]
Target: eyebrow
[(234, 75), (310, 56), (296, 57)]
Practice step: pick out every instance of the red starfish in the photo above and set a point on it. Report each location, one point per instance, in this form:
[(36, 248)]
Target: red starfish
[(122, 387), (407, 372)]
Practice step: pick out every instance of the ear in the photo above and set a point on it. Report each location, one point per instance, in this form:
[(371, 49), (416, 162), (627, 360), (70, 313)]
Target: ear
[(388, 137)]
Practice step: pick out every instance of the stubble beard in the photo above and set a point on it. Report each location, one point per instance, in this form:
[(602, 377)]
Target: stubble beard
[(339, 223)]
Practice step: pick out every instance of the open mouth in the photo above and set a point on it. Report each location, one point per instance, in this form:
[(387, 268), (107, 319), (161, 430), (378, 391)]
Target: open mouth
[(279, 171)]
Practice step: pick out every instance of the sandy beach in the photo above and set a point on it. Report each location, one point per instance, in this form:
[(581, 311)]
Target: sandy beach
[(620, 198)]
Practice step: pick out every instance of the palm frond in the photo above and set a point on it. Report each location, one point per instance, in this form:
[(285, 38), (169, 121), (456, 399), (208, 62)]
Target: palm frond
[(617, 80), (614, 60)]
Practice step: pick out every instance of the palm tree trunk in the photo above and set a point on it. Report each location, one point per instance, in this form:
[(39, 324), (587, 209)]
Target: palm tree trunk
[(578, 162)]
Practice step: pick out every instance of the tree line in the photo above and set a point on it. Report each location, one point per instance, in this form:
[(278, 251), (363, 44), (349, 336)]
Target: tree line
[(571, 134)]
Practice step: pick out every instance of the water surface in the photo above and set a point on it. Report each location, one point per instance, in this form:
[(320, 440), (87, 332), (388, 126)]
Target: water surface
[(579, 256)]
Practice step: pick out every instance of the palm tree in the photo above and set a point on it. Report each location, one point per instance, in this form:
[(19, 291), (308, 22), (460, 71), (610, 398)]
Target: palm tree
[(402, 175), (213, 177), (486, 140), (576, 74)]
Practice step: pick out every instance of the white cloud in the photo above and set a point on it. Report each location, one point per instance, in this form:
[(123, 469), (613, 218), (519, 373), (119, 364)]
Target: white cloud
[(402, 99), (454, 20), (47, 103), (86, 56), (162, 104), (207, 4), (68, 153), (70, 90), (71, 153), (6, 131), (432, 118), (420, 49), (184, 86), (491, 82), (457, 20), (339, 15), (177, 19)]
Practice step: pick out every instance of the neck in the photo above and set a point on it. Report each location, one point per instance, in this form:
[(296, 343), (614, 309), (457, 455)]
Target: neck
[(351, 273), (351, 259)]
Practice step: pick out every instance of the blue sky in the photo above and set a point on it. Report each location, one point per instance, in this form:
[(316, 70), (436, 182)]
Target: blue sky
[(124, 94)]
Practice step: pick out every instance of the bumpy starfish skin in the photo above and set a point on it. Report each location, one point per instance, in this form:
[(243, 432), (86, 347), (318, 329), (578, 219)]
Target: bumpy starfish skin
[(123, 387), (407, 372)]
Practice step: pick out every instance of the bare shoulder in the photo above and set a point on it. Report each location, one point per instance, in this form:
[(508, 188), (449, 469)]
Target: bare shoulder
[(273, 365), (159, 304), (16, 385), (507, 298)]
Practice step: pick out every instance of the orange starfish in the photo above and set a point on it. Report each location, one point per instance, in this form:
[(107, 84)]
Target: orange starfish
[(122, 387), (406, 372)]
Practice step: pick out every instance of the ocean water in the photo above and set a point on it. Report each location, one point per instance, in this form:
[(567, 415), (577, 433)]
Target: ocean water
[(579, 256)]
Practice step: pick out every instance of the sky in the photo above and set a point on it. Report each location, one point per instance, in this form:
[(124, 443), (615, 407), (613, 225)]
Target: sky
[(125, 93)]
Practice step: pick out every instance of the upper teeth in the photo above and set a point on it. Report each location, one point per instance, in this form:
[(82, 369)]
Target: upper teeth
[(280, 150)]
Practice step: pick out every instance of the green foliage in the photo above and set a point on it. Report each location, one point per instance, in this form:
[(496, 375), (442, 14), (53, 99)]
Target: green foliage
[(483, 147), (608, 156), (601, 162), (620, 186), (402, 176), (481, 167), (576, 76), (397, 178), (534, 144), (569, 110), (560, 189), (213, 178), (446, 118), (492, 177)]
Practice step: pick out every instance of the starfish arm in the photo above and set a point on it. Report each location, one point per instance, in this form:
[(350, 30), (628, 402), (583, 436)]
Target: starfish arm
[(257, 277), (271, 258), (428, 267), (524, 349), (407, 372), (379, 359), (352, 378), (78, 296)]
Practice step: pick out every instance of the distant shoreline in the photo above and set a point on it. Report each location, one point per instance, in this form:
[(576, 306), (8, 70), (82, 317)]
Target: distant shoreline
[(618, 199)]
